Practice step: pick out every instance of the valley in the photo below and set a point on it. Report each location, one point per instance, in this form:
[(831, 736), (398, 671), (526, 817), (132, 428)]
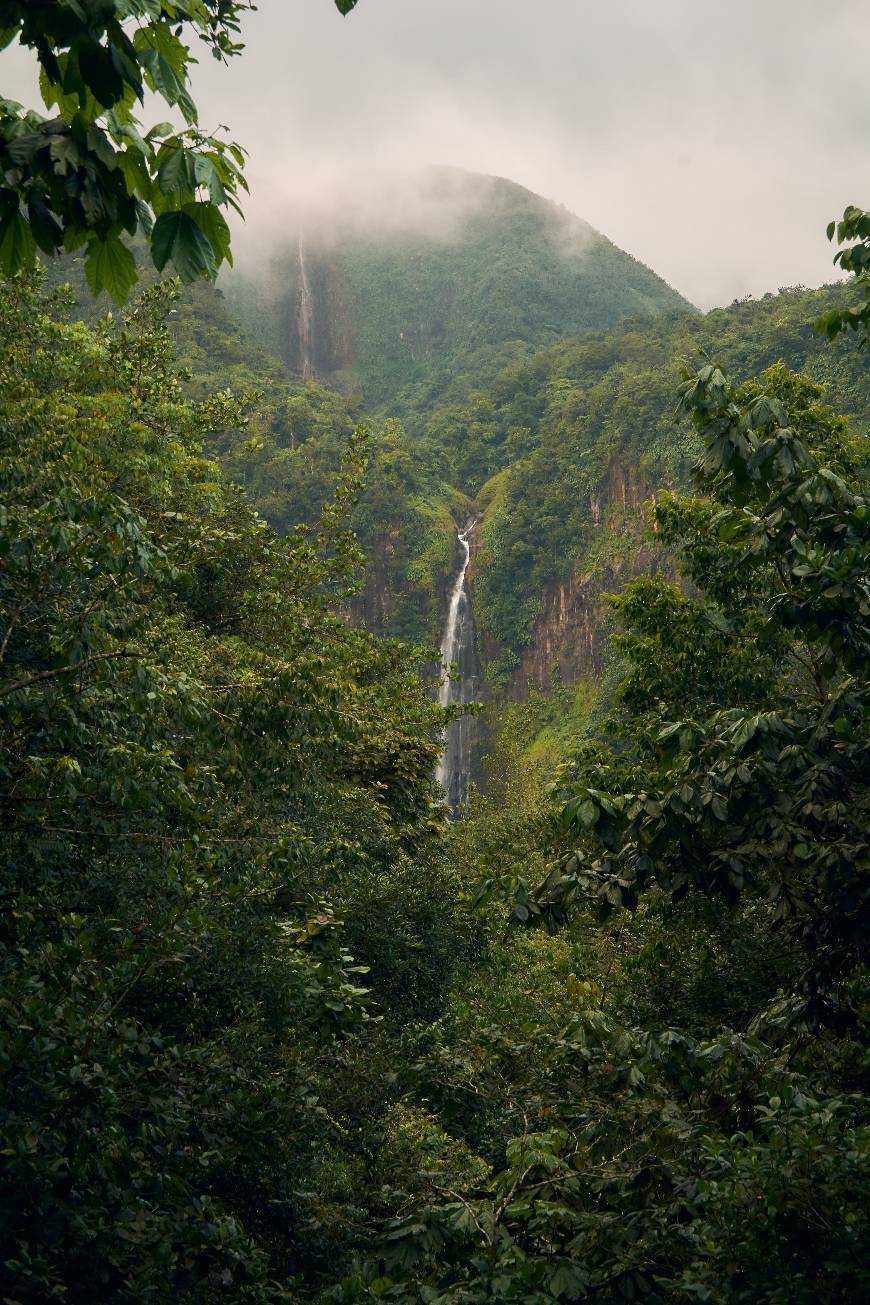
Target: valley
[(433, 657), (279, 992), (552, 451)]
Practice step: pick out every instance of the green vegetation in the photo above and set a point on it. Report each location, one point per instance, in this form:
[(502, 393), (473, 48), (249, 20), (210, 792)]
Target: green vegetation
[(671, 1104), (272, 1028), (855, 258), (519, 273), (557, 452), (577, 437), (490, 272), (205, 773), (263, 1032), (88, 175)]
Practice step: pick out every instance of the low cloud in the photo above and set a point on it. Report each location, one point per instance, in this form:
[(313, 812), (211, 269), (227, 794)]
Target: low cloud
[(712, 143)]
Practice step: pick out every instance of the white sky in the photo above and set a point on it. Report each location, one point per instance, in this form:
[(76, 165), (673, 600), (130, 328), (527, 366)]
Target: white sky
[(712, 140)]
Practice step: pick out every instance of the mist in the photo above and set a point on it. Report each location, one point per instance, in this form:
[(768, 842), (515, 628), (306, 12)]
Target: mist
[(712, 143)]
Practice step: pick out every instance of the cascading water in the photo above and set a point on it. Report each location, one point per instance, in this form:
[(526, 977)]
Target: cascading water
[(459, 646), (305, 319)]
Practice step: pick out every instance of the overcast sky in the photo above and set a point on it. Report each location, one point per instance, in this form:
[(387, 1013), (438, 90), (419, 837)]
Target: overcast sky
[(714, 141)]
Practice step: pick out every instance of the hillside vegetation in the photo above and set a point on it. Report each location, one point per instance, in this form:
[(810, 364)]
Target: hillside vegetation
[(478, 269), (284, 1018), (264, 1035), (556, 452)]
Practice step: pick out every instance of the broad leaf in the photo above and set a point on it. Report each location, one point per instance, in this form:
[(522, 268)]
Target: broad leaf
[(17, 246), (109, 265), (45, 228), (175, 169), (177, 238), (210, 220), (136, 173)]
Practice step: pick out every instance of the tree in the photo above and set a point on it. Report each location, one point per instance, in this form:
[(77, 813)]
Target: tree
[(855, 226), (201, 766), (89, 175), (741, 753)]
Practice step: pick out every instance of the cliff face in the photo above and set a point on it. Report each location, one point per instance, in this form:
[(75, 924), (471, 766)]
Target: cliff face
[(375, 606), (568, 638)]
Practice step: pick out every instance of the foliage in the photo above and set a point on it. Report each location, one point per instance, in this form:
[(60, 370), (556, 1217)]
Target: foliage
[(253, 1043), (855, 226), (88, 175), (202, 765), (489, 271), (712, 1148), (563, 447), (556, 453), (637, 1166), (745, 708)]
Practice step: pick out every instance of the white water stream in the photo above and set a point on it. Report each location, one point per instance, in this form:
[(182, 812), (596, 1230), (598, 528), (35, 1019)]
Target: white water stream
[(458, 646), (305, 318)]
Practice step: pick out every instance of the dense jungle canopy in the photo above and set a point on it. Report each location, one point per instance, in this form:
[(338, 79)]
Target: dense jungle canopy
[(273, 1025)]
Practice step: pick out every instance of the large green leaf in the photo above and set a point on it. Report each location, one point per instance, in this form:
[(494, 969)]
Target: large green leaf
[(109, 265), (44, 226), (175, 169), (178, 238), (211, 221), (345, 6), (17, 246), (136, 173), (207, 175)]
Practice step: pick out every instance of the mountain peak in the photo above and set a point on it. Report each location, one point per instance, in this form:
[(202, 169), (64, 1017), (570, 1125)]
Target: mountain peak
[(388, 292)]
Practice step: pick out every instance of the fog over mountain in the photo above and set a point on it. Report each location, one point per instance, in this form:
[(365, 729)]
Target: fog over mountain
[(682, 129), (390, 285)]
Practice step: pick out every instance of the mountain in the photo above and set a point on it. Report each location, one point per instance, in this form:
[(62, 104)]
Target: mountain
[(453, 271), (552, 451), (552, 458), (554, 455)]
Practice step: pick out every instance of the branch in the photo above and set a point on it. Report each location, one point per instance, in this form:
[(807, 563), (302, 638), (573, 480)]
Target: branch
[(13, 621), (28, 680)]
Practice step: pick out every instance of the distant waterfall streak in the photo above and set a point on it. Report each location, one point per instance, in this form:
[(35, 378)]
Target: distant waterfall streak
[(305, 319), (458, 646)]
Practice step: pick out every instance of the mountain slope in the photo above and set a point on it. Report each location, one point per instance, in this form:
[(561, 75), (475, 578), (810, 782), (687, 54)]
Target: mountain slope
[(462, 273), (555, 456)]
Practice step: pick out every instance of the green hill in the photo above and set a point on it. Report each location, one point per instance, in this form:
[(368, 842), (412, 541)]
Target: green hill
[(556, 454), (475, 269), (555, 450)]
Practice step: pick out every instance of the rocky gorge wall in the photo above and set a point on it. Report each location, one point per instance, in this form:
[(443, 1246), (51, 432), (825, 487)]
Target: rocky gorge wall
[(568, 640)]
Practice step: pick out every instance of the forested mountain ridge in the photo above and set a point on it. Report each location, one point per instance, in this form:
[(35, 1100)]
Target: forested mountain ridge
[(458, 271), (556, 455), (554, 451)]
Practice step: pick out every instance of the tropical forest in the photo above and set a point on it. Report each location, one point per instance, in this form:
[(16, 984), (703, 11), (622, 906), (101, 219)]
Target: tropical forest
[(434, 653)]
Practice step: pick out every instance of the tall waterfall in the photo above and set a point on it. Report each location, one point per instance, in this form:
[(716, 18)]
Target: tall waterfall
[(459, 646), (305, 318)]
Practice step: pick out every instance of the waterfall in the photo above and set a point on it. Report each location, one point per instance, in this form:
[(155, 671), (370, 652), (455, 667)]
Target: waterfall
[(305, 319), (459, 646)]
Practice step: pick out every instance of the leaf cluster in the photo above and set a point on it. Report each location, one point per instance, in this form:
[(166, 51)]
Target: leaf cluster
[(211, 786), (90, 175), (740, 753)]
